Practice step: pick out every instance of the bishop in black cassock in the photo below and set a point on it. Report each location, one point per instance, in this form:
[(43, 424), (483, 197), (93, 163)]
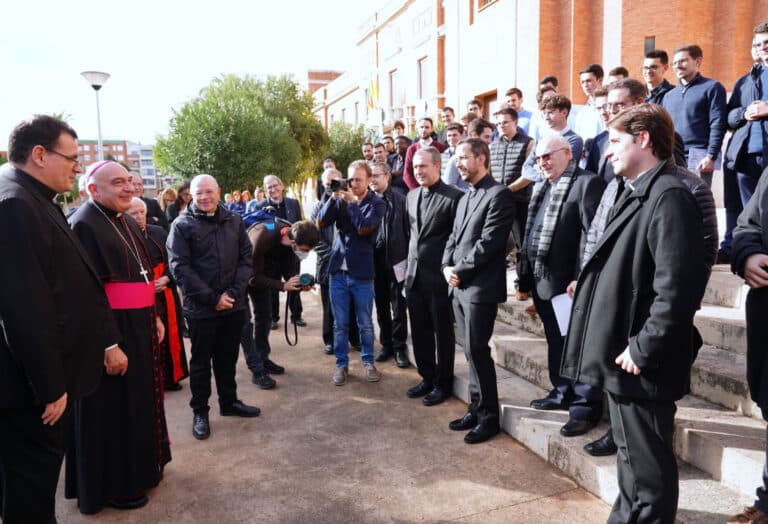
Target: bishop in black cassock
[(120, 443)]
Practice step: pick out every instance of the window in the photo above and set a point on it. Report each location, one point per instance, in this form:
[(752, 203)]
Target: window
[(87, 158), (650, 44), (394, 99), (147, 163), (422, 73)]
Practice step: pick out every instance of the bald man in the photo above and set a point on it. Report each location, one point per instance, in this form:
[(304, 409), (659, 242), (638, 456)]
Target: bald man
[(559, 215), (107, 463), (210, 258)]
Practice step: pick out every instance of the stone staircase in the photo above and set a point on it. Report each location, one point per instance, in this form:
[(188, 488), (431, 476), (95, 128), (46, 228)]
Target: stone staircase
[(720, 434)]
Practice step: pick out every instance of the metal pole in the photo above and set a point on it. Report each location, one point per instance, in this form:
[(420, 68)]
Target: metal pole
[(98, 122)]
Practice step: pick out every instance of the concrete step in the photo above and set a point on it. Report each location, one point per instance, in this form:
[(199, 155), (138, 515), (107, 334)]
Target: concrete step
[(714, 438), (702, 498), (725, 289), (723, 327), (720, 326)]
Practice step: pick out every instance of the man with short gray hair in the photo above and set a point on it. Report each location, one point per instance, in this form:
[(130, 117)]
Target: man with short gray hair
[(210, 258)]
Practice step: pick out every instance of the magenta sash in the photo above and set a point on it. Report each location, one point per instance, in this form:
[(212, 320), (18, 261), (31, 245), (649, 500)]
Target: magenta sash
[(130, 295)]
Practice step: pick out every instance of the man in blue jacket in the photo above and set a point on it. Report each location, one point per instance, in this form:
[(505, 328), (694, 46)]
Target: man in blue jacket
[(748, 119), (210, 258), (356, 213)]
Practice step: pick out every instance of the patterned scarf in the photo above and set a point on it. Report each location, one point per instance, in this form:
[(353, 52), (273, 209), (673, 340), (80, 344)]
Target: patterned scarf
[(559, 193), (596, 229)]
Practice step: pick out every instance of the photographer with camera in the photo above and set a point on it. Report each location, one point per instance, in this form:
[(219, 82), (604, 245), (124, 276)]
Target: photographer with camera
[(323, 254), (356, 212), (276, 245)]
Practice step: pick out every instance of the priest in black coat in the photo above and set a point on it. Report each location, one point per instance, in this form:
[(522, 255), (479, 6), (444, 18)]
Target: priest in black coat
[(54, 319), (120, 436)]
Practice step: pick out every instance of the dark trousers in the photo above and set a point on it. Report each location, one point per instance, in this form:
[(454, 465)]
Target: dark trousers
[(354, 332), (519, 217), (586, 402), (254, 358), (31, 454), (757, 370), (475, 323), (432, 329), (262, 319), (390, 307), (216, 340), (647, 469), (748, 171), (733, 207), (294, 305)]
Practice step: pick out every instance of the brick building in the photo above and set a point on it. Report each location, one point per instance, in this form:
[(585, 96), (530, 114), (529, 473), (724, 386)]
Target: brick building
[(416, 56)]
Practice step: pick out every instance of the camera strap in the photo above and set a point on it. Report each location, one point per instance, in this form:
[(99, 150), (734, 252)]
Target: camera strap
[(290, 295)]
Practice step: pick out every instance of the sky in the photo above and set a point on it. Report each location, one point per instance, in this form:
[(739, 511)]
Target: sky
[(159, 54)]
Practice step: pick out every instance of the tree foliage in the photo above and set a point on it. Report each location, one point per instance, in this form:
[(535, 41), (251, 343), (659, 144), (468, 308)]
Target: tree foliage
[(345, 143), (241, 129)]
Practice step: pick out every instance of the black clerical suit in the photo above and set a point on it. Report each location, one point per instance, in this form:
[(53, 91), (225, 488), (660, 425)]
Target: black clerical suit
[(288, 209), (55, 324), (476, 249), (431, 212), (391, 248)]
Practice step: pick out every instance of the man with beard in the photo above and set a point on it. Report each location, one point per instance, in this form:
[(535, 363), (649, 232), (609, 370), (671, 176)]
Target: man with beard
[(474, 265), (121, 440), (425, 139)]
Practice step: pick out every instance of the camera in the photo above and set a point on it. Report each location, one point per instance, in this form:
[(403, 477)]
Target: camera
[(306, 279), (339, 185)]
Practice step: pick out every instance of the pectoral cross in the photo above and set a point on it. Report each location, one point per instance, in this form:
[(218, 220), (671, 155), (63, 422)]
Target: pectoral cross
[(143, 273)]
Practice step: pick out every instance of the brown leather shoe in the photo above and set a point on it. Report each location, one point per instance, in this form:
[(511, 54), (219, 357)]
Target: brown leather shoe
[(750, 515)]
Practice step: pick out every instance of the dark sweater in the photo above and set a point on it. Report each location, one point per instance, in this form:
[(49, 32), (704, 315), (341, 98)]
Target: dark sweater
[(698, 111)]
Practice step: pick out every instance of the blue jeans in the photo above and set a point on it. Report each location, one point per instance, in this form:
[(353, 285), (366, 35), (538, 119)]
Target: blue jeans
[(343, 289)]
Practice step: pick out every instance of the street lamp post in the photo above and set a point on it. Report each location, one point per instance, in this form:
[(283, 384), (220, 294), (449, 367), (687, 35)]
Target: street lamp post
[(97, 79)]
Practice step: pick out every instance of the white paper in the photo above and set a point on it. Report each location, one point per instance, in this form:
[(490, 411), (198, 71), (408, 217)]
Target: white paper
[(562, 306), (400, 269)]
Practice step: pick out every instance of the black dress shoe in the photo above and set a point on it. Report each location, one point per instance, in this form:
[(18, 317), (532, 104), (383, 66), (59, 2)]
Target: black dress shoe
[(201, 430), (328, 349), (401, 357), (273, 368), (238, 409), (548, 404), (134, 503), (263, 380), (436, 396), (419, 390), (274, 325), (574, 428), (299, 322), (602, 447), (384, 355), (464, 423), (172, 387), (483, 431)]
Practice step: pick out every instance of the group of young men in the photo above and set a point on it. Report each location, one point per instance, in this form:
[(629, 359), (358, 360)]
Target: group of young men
[(608, 207)]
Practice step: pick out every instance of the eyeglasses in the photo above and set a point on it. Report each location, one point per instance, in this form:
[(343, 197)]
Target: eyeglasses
[(615, 107), (72, 159), (546, 157)]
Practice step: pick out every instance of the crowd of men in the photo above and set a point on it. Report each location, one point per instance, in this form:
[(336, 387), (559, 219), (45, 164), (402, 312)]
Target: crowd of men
[(607, 207)]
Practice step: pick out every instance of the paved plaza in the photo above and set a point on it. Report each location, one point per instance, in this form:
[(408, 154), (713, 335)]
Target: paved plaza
[(359, 453)]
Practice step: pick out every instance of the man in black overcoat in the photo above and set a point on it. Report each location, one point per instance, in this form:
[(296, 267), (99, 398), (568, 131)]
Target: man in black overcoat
[(55, 323), (631, 325)]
